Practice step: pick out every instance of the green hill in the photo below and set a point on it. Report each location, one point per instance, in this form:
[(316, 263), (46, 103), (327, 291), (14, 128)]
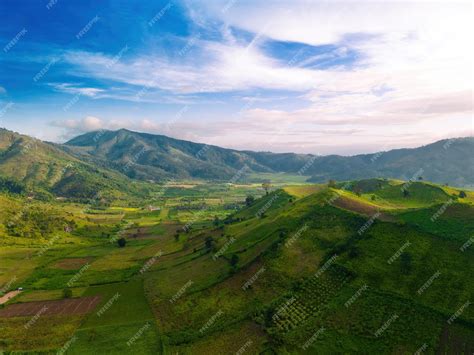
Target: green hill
[(155, 157), (42, 168), (293, 272)]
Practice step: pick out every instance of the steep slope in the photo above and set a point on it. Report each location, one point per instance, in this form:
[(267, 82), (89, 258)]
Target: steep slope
[(313, 278), (42, 166), (148, 156), (156, 157)]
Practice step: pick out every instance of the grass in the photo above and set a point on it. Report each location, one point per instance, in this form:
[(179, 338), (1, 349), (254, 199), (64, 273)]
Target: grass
[(110, 327), (282, 241)]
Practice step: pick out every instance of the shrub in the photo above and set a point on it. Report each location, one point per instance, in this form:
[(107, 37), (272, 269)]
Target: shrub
[(121, 242), (67, 293), (234, 260)]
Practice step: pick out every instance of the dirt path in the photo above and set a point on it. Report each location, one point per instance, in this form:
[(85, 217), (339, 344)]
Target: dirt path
[(8, 296)]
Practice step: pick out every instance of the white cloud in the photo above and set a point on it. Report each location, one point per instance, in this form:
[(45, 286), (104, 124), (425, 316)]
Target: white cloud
[(75, 89), (413, 78)]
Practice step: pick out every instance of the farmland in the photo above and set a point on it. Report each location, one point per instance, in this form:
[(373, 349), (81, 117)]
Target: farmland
[(300, 268)]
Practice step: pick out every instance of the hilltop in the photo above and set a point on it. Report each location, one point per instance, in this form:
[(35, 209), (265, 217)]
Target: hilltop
[(118, 163), (149, 156), (45, 168)]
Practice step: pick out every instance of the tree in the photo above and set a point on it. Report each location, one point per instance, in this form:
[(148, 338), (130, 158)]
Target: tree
[(67, 293), (176, 237), (332, 183), (249, 200), (405, 193), (420, 177), (209, 243), (462, 194), (234, 260), (266, 186), (405, 263), (358, 191), (121, 242), (216, 221)]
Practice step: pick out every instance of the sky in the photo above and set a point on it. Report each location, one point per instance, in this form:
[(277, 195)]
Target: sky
[(322, 77)]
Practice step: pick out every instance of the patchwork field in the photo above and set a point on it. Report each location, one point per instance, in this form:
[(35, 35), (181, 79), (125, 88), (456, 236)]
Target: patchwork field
[(302, 269)]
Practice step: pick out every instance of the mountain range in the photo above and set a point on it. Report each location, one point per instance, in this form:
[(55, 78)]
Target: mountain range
[(118, 160)]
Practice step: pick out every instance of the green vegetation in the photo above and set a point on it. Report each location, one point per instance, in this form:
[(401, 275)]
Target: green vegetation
[(353, 267)]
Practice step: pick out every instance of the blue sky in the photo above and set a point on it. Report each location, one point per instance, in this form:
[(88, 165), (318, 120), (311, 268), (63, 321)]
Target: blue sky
[(321, 77)]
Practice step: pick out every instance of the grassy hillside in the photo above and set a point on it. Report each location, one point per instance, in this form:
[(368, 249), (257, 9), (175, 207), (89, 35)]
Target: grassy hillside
[(293, 272), (146, 156), (28, 165)]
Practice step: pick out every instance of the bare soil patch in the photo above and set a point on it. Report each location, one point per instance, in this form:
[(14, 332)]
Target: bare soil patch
[(71, 263), (68, 306), (362, 208), (7, 297)]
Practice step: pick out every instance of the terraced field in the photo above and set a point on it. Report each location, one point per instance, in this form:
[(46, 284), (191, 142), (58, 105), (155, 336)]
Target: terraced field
[(302, 269)]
